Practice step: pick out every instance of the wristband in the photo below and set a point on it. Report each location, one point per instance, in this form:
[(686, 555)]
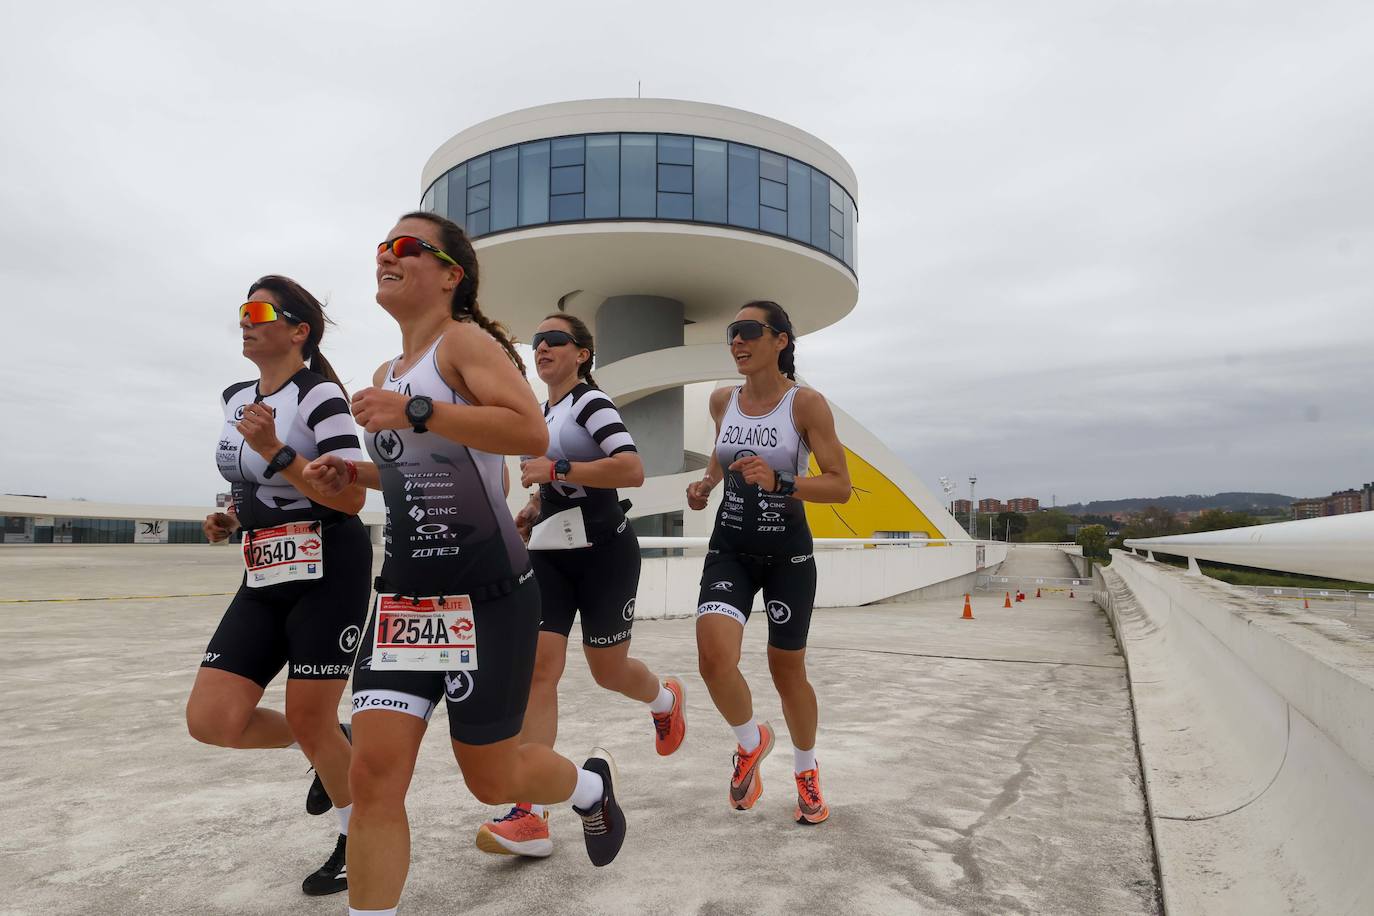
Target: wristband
[(352, 471)]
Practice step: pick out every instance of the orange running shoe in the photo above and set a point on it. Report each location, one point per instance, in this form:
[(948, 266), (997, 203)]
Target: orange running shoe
[(518, 832), (746, 785), (811, 806), (670, 727)]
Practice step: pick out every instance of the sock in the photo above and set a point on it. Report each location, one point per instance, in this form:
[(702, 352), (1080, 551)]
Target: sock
[(390, 912), (803, 760), (589, 792), (344, 814), (748, 735), (663, 702), (537, 810)]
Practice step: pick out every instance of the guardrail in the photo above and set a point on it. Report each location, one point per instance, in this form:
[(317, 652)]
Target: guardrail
[(1338, 546), (1042, 582), (685, 543)]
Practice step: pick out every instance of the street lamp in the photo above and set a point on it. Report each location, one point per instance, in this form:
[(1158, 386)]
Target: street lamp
[(972, 508)]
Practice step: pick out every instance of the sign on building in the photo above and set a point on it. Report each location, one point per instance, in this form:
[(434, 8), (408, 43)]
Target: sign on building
[(150, 531)]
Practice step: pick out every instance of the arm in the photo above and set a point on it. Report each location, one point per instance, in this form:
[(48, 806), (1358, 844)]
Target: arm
[(699, 491), (817, 425), (331, 474), (622, 466), (260, 433)]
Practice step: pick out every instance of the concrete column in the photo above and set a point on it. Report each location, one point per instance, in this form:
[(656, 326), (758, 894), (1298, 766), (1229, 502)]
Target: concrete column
[(630, 325)]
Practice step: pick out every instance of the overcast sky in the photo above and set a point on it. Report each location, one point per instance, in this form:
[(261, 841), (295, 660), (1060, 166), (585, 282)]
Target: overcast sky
[(1106, 249)]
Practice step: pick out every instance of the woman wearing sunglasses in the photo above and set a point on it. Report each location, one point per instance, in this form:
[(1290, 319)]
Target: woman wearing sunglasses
[(457, 614), (304, 595), (585, 556), (765, 430)]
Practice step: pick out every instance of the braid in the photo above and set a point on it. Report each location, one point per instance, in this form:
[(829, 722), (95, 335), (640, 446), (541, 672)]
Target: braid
[(778, 318), (498, 330)]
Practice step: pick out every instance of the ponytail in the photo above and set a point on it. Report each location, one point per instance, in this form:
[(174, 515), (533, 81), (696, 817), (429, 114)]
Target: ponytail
[(582, 339), (296, 299)]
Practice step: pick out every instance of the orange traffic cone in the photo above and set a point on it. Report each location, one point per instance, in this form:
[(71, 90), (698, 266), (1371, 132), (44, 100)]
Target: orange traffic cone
[(1037, 593), (968, 610), (1008, 602), (1070, 593), (1020, 596), (1305, 605)]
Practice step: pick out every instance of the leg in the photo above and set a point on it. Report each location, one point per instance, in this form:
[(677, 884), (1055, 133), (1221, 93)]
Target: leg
[(719, 639), (385, 745), (615, 670), (541, 715), (223, 710), (312, 711), (508, 771), (788, 668)]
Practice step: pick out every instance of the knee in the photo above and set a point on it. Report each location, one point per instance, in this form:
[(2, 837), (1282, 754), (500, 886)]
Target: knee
[(715, 666), (210, 726), (310, 726), (610, 677), (788, 673), (490, 788), (547, 673), (373, 779)]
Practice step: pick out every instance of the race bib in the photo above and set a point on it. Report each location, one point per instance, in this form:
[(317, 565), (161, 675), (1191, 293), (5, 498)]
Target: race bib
[(424, 634), (288, 553), (562, 531)]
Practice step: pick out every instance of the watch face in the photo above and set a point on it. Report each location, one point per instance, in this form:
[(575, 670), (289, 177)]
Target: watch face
[(420, 408)]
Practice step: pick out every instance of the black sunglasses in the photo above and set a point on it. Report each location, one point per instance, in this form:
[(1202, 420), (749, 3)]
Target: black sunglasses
[(552, 338), (748, 329)]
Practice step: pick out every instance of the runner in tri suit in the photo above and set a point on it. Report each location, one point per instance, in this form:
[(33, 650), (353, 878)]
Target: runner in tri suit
[(303, 598), (764, 431), (585, 556), (457, 618)]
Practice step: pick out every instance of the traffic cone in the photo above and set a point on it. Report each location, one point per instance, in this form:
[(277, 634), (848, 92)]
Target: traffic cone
[(1070, 593), (1008, 602), (1020, 596), (968, 610), (1305, 605), (1037, 593)]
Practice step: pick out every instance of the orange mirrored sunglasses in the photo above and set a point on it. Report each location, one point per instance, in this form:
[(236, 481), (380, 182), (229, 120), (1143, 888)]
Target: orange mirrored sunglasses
[(262, 312)]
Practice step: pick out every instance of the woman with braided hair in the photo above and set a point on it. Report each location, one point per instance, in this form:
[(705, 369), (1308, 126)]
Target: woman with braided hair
[(458, 609)]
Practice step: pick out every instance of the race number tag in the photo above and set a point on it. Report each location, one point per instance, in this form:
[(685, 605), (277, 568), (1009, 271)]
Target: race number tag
[(562, 531), (424, 634), (288, 553)]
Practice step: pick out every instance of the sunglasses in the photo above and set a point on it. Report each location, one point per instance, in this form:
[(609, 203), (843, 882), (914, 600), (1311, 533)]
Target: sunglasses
[(747, 329), (552, 338), (263, 312), (408, 246)]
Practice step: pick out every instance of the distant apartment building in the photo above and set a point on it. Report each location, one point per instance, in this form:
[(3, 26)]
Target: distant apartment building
[(960, 508), (1341, 502), (1023, 504), (989, 505)]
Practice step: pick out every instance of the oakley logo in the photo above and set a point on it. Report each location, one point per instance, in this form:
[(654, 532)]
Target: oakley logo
[(431, 528)]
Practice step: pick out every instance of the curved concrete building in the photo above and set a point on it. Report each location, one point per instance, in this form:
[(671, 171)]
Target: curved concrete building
[(653, 220)]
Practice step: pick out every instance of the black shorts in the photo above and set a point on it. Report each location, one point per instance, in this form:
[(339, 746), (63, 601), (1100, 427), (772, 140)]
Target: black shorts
[(315, 625), (600, 581), (730, 580), (484, 706)]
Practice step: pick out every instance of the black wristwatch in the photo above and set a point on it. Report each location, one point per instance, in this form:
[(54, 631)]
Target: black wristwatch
[(280, 461), (562, 468), (787, 483), (418, 411)]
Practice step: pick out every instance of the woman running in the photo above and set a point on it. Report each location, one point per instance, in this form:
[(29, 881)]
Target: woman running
[(764, 431), (585, 557), (457, 615), (305, 589)]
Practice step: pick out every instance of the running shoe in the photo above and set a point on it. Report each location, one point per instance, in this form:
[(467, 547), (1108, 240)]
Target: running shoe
[(670, 727), (317, 799), (603, 825), (332, 876), (746, 785), (518, 832), (811, 806)]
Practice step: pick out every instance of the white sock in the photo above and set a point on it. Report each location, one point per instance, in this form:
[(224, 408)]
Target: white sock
[(353, 912), (663, 702), (343, 814), (589, 792), (537, 810), (803, 760), (748, 734)]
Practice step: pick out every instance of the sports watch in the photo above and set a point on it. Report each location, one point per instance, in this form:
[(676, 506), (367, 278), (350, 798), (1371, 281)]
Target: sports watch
[(280, 461), (561, 469), (787, 483), (418, 411)]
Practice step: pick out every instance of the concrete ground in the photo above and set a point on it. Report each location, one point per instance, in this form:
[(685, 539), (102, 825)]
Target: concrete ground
[(983, 766)]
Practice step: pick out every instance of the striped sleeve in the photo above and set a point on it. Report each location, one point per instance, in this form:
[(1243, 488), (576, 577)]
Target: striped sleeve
[(596, 414), (326, 414)]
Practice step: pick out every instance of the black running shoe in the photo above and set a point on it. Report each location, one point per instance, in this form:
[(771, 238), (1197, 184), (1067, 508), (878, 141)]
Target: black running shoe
[(317, 799), (603, 825), (332, 876)]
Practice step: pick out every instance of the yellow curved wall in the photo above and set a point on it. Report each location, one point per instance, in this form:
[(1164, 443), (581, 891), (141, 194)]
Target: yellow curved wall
[(877, 504)]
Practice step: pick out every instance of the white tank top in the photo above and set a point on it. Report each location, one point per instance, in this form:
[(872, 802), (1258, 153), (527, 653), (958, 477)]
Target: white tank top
[(751, 520)]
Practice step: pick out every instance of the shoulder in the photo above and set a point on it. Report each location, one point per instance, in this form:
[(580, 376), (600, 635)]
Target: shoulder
[(810, 408), (228, 394), (720, 397), (380, 375), (587, 394), (465, 338), (810, 398), (315, 385)]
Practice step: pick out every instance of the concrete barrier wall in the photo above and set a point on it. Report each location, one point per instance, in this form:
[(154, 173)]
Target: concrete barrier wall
[(844, 578), (1256, 736)]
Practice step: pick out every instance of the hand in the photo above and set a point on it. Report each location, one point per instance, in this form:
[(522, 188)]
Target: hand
[(328, 474), (218, 526), (535, 471), (699, 493), (259, 429), (757, 471), (377, 409), (525, 519)]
